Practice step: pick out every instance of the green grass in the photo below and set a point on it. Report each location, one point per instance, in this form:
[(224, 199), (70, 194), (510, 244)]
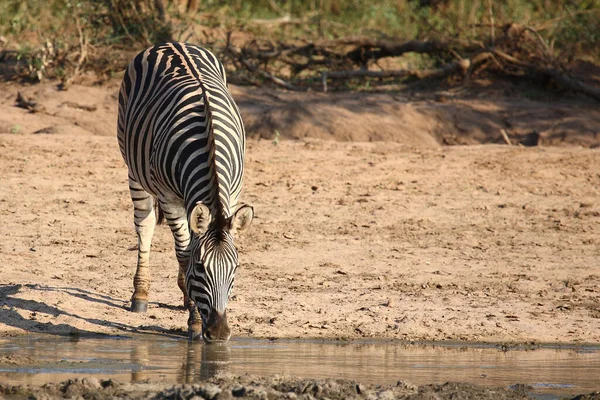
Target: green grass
[(570, 27), (566, 23)]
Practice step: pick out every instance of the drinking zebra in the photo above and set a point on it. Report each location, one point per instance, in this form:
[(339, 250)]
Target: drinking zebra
[(183, 140)]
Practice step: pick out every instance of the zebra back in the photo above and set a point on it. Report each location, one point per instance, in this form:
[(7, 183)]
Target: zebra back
[(191, 75)]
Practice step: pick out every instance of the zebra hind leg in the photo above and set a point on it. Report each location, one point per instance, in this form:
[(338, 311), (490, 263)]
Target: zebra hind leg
[(144, 219), (176, 219)]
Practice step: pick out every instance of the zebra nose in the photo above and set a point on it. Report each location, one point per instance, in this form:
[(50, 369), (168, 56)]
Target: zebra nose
[(216, 329)]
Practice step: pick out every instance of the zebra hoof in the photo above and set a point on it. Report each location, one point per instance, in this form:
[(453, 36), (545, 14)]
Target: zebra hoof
[(195, 333), (139, 306)]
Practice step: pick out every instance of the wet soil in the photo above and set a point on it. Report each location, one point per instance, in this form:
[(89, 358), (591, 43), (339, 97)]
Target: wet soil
[(543, 370), (256, 387)]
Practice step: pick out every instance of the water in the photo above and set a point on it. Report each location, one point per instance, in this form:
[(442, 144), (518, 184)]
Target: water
[(548, 370)]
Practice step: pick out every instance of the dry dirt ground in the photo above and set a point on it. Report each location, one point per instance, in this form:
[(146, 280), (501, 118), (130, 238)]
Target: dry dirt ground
[(403, 238)]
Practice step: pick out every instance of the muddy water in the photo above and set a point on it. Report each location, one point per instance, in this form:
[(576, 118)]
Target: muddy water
[(547, 370)]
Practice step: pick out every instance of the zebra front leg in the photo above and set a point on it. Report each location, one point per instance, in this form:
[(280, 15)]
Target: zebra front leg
[(175, 216), (194, 323), (144, 219)]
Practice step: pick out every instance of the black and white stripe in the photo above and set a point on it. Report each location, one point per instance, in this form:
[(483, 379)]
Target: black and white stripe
[(182, 138)]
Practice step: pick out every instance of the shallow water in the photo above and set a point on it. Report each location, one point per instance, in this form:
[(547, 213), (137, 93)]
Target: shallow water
[(548, 370)]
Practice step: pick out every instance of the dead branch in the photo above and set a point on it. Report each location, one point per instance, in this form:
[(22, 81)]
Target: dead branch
[(511, 59), (567, 82), (374, 49), (364, 48), (545, 50), (272, 78), (78, 106), (559, 77), (82, 57), (505, 137), (512, 53), (252, 68), (461, 66), (285, 20)]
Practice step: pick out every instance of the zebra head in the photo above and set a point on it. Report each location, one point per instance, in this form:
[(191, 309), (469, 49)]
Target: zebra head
[(213, 263)]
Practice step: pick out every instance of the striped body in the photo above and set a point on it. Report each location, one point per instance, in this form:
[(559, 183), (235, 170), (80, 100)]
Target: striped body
[(182, 138)]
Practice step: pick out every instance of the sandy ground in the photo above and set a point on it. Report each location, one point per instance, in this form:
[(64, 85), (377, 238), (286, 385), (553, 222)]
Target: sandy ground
[(403, 239)]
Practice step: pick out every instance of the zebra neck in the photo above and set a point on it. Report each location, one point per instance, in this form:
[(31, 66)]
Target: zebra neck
[(217, 155), (210, 182)]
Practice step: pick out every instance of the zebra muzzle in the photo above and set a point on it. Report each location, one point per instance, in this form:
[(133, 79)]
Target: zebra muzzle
[(216, 328)]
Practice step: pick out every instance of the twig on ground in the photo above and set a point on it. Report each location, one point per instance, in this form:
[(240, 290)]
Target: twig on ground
[(28, 104), (505, 137)]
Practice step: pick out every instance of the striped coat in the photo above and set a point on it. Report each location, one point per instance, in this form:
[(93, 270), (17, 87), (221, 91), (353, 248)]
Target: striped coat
[(183, 140)]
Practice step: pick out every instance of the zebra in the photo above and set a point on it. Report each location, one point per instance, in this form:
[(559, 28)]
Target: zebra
[(183, 140)]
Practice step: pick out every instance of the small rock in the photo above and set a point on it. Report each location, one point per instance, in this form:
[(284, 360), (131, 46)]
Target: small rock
[(360, 389), (91, 382), (407, 385), (239, 391), (386, 395), (47, 130), (210, 391)]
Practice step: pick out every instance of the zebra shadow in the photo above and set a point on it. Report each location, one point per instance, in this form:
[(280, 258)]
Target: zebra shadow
[(99, 298), (13, 310)]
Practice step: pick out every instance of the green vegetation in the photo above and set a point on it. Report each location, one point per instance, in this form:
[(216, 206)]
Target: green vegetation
[(56, 38), (571, 20)]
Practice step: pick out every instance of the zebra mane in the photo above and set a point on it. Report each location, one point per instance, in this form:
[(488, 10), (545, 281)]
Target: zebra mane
[(220, 220)]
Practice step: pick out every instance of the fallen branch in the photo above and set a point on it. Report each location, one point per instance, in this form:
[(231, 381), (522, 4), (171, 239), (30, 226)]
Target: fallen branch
[(252, 68), (374, 49), (559, 77), (364, 49), (83, 107), (520, 50), (271, 77), (567, 82), (461, 66)]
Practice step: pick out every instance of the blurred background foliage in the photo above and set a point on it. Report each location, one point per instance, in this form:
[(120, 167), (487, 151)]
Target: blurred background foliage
[(51, 35)]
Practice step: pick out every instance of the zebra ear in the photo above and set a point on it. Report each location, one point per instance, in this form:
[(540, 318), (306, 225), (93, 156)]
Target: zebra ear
[(242, 218), (200, 218)]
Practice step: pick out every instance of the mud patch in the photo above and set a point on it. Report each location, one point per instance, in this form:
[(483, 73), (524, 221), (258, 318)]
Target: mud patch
[(253, 387)]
